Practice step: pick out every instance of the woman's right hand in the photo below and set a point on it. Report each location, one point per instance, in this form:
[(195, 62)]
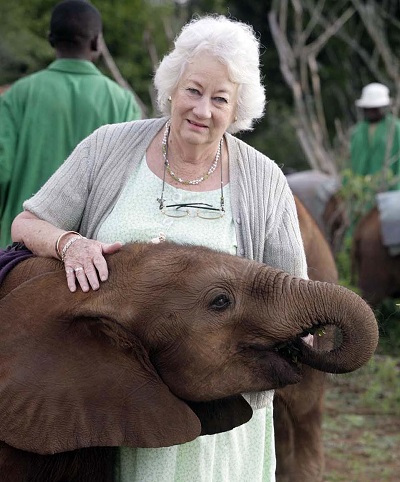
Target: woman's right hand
[(84, 262)]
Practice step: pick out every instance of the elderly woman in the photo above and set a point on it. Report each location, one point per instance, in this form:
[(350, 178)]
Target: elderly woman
[(187, 179)]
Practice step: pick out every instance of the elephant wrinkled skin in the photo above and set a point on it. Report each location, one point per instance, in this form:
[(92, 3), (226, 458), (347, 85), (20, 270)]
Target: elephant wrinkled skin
[(176, 333)]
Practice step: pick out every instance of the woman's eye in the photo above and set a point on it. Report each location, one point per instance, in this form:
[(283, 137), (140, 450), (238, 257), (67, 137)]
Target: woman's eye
[(221, 100), (193, 91), (221, 302)]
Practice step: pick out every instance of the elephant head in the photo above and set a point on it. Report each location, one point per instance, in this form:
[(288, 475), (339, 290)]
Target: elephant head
[(163, 348)]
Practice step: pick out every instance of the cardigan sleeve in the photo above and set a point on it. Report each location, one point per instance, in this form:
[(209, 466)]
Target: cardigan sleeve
[(264, 210), (62, 199), (85, 188), (284, 247)]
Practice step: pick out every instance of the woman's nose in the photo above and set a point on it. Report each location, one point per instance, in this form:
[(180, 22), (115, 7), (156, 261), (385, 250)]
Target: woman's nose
[(202, 108)]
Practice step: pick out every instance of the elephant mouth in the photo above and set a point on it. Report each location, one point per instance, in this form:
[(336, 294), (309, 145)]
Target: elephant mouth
[(290, 350), (281, 362)]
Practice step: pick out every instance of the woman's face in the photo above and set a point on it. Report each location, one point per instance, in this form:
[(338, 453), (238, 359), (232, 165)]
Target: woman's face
[(204, 102)]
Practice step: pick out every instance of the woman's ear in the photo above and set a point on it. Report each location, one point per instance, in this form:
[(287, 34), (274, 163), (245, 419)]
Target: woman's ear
[(64, 385)]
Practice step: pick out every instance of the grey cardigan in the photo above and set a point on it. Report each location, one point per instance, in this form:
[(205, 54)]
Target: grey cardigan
[(84, 190)]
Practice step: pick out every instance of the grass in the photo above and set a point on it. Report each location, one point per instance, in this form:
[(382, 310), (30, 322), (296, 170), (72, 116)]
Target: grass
[(361, 425)]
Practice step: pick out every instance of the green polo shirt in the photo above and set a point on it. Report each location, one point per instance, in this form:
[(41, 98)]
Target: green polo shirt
[(368, 151), (43, 117)]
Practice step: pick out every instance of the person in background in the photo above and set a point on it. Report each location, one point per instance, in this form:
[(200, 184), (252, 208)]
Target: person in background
[(375, 141), (45, 115), (183, 178)]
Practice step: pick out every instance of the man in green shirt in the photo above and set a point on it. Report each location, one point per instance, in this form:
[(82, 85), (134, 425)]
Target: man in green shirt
[(375, 141), (45, 115)]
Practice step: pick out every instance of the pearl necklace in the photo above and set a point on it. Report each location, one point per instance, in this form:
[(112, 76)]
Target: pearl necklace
[(173, 175)]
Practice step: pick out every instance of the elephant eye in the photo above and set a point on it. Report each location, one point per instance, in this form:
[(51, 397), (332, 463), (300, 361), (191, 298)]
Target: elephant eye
[(220, 302)]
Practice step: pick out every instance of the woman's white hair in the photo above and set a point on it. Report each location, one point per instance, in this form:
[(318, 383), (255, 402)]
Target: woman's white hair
[(234, 44)]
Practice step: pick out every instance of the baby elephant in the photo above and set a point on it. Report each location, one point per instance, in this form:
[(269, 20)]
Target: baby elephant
[(160, 354)]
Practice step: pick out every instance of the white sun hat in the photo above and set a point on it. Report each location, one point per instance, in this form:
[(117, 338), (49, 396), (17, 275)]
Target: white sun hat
[(374, 95)]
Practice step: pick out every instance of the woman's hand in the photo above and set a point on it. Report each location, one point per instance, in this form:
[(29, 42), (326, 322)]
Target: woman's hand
[(83, 258), (84, 261)]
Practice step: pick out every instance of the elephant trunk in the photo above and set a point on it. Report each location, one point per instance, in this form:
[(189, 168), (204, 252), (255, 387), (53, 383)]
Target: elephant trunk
[(320, 305)]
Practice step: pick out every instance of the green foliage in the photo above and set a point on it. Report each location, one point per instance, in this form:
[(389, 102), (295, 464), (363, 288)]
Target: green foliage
[(275, 136), (132, 29), (23, 44), (343, 263), (358, 193), (206, 6), (388, 316)]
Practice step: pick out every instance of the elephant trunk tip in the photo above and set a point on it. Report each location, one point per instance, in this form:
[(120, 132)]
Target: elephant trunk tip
[(338, 358), (350, 324)]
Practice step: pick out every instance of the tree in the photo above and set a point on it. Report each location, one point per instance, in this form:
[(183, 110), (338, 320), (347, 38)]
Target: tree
[(318, 54), (126, 23), (311, 36), (23, 45)]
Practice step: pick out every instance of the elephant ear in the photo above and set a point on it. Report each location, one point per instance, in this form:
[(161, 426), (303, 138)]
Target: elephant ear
[(65, 385), (222, 415)]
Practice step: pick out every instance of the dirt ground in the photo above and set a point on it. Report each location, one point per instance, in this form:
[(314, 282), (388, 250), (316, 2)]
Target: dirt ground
[(362, 424)]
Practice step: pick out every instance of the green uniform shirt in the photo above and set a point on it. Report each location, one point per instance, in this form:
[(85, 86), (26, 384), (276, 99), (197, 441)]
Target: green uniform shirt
[(43, 117), (368, 154)]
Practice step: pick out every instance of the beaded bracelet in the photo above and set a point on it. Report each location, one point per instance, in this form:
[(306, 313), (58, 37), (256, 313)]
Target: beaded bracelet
[(60, 238), (68, 244)]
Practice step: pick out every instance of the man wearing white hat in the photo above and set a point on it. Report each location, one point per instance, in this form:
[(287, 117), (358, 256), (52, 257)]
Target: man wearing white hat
[(375, 141)]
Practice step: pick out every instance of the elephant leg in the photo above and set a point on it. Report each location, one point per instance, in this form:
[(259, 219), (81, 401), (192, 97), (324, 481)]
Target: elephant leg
[(284, 443), (298, 411)]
